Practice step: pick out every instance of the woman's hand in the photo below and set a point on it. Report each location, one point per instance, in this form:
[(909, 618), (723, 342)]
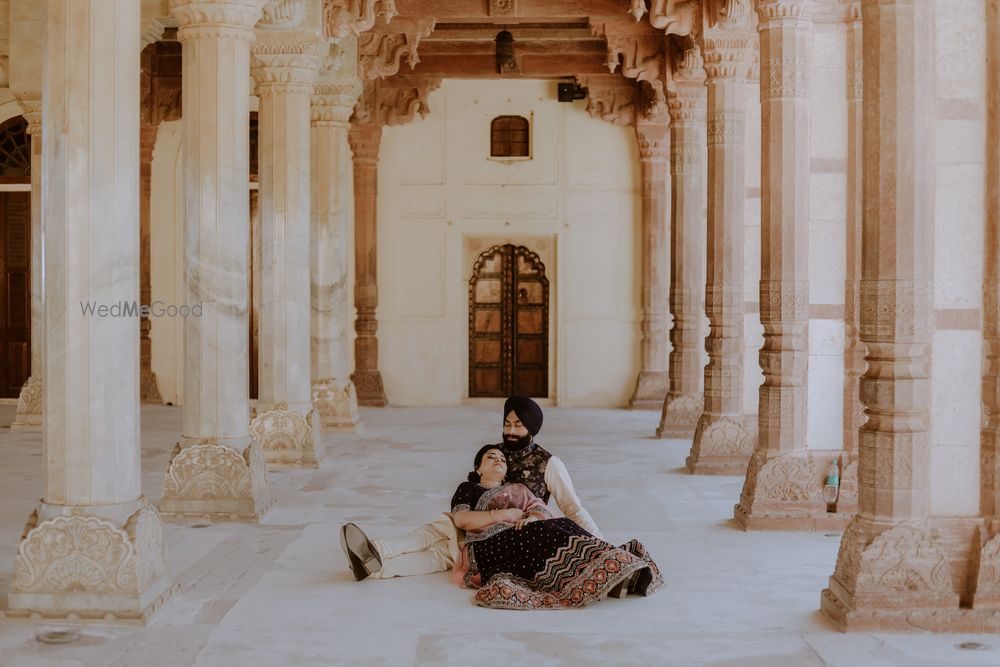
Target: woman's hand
[(524, 522), (512, 515)]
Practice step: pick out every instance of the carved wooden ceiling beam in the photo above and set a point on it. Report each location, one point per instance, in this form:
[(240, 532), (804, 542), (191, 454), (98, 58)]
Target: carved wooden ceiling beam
[(381, 51)]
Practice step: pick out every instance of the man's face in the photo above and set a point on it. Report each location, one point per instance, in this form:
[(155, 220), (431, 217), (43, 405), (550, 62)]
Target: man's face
[(514, 432)]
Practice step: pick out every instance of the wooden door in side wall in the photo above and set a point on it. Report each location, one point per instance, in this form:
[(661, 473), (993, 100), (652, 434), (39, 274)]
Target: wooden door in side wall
[(15, 292), (508, 324)]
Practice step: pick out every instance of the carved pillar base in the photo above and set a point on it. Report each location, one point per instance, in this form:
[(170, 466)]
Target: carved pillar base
[(336, 401), (90, 563), (785, 492), (679, 418), (650, 391), (29, 406), (289, 437), (149, 391), (722, 445), (371, 393), (207, 480), (914, 576)]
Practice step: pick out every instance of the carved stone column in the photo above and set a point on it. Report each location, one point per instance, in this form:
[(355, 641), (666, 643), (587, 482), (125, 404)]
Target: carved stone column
[(333, 393), (286, 425), (29, 403), (148, 389), (891, 561), (364, 141), (987, 588), (654, 152), (854, 350), (94, 547), (724, 437), (686, 100), (783, 486), (217, 469)]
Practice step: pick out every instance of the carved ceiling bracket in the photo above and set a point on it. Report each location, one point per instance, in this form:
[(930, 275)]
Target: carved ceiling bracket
[(396, 100), (611, 98), (343, 18), (640, 54), (676, 17), (278, 14), (381, 51)]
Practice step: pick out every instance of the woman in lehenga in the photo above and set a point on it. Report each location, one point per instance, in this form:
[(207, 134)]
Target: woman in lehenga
[(520, 557)]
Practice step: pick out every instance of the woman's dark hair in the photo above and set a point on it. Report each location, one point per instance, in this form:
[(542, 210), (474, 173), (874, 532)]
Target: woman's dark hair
[(474, 476)]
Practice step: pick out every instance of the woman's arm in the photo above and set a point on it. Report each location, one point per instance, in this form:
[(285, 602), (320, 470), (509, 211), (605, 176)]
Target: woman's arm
[(473, 520)]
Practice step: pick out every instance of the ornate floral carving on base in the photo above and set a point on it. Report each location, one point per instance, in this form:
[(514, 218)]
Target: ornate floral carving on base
[(650, 391), (337, 404), (680, 416), (722, 445), (217, 482), (90, 566), (987, 595), (371, 392), (29, 405), (901, 568), (288, 438)]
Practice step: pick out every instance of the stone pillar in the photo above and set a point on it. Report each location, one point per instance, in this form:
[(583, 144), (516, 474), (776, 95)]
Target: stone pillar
[(654, 152), (987, 588), (148, 389), (854, 350), (332, 216), (686, 101), (724, 437), (783, 488), (364, 140), (286, 425), (217, 469), (29, 403), (93, 548), (891, 561)]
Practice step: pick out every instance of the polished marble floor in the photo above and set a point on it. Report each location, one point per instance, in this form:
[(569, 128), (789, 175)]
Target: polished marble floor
[(279, 593)]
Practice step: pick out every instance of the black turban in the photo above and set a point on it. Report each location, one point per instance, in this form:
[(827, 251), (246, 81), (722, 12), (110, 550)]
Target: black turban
[(527, 411)]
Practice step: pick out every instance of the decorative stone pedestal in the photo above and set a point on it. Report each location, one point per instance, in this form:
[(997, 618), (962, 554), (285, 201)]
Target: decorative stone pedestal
[(337, 404), (650, 391), (287, 438), (679, 418), (370, 390), (786, 492), (216, 482), (99, 563), (29, 406), (722, 445)]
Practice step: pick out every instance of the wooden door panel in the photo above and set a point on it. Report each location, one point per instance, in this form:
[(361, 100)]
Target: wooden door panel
[(508, 324), (15, 292)]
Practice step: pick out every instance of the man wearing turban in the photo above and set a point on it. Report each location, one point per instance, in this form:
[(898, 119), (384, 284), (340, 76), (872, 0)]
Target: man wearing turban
[(434, 546)]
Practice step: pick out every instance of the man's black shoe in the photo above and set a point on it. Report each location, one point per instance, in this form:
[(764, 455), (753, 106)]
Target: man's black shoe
[(360, 552)]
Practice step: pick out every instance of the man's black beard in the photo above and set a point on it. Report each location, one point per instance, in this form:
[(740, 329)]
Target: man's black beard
[(515, 443)]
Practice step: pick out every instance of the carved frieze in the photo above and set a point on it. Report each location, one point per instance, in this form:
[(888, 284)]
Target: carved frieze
[(343, 18), (503, 7)]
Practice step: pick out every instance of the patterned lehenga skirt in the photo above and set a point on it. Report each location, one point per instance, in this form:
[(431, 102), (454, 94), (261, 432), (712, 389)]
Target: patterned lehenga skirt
[(555, 564)]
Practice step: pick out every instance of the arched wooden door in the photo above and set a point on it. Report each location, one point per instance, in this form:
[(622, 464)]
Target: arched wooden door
[(508, 324)]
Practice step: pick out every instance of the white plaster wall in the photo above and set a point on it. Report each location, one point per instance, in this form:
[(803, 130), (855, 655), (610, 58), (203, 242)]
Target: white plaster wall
[(959, 215), (576, 201), (827, 234), (27, 28), (166, 243)]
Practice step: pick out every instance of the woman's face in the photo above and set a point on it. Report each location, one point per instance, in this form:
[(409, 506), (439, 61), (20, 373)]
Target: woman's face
[(493, 465)]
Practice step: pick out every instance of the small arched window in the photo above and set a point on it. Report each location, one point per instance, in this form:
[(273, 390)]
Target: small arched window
[(509, 137)]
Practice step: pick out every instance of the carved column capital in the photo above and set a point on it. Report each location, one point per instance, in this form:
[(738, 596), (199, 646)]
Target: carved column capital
[(779, 13), (31, 109), (221, 19), (343, 18), (334, 102), (285, 66), (364, 139), (381, 52), (730, 54), (152, 30)]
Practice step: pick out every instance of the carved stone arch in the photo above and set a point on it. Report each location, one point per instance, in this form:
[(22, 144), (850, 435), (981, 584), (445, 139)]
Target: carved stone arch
[(508, 324)]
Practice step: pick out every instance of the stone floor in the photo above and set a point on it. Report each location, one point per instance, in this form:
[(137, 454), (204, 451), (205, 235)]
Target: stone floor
[(279, 593)]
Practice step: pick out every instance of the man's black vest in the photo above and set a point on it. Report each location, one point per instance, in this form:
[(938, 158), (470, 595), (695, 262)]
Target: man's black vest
[(527, 466)]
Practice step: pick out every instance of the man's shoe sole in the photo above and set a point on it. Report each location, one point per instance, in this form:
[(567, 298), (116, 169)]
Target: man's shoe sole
[(360, 552)]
